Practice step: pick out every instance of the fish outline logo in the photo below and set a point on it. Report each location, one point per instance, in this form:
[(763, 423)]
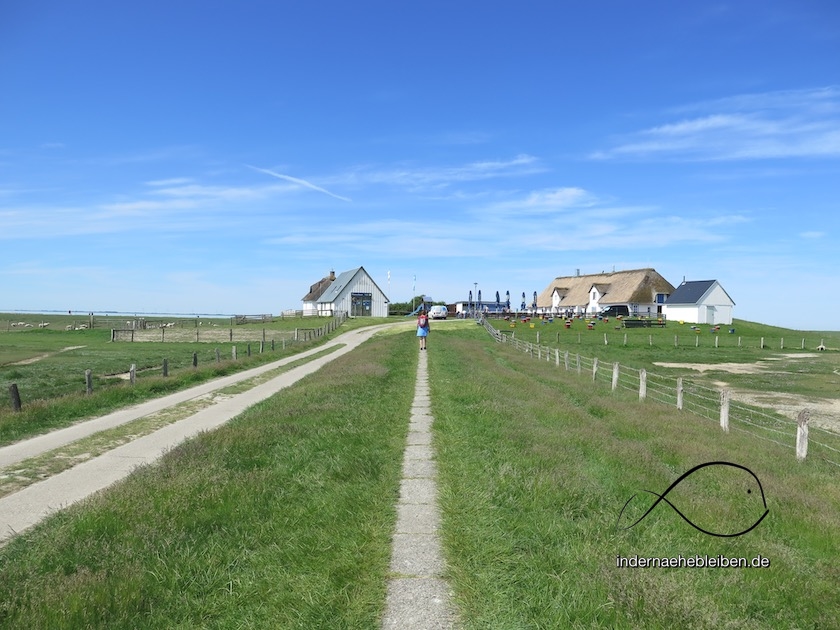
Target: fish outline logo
[(662, 497)]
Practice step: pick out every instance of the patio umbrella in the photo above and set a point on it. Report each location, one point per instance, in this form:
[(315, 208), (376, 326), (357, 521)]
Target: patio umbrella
[(523, 301), (507, 300)]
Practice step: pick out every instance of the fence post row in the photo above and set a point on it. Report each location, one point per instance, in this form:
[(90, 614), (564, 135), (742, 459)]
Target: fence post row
[(725, 395)]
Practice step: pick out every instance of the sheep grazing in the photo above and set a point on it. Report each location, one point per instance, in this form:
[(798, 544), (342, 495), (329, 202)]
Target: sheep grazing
[(43, 324)]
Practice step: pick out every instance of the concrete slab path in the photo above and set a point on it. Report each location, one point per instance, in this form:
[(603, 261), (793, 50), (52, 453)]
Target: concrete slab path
[(418, 596)]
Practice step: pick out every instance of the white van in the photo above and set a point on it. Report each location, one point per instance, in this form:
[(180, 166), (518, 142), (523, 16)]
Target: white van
[(437, 312)]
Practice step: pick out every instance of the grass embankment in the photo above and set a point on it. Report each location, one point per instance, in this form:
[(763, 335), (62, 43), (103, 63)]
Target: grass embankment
[(536, 465), (280, 519), (52, 388)]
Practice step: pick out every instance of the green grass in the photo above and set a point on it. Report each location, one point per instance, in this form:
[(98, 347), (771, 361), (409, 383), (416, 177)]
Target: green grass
[(280, 519), (535, 465), (52, 389), (784, 369)]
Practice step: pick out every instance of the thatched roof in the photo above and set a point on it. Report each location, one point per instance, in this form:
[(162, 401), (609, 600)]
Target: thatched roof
[(637, 286)]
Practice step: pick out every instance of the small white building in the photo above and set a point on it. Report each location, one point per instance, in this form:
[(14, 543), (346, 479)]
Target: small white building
[(353, 292), (700, 302)]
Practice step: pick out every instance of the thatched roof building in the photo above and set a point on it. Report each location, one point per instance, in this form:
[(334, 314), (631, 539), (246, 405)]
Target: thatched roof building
[(643, 291)]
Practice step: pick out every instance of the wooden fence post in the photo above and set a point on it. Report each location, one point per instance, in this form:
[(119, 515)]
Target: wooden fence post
[(218, 356), (162, 334), (166, 367), (538, 337), (249, 349), (195, 359), (132, 374), (272, 344), (676, 341), (15, 394), (724, 410), (802, 434), (716, 341), (262, 345), (557, 358), (680, 393), (642, 384), (606, 343), (577, 360), (566, 360), (782, 344), (762, 343), (615, 376), (594, 368)]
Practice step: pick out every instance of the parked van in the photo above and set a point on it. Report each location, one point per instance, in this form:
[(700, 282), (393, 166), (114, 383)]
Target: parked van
[(438, 312), (615, 311)]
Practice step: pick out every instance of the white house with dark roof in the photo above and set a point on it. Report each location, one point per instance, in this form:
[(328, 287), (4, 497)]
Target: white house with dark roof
[(353, 292), (700, 302)]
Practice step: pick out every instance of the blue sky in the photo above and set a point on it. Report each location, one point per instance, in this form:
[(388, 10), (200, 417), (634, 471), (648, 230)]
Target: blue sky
[(220, 157)]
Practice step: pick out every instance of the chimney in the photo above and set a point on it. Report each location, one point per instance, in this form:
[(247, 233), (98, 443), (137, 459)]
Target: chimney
[(332, 275)]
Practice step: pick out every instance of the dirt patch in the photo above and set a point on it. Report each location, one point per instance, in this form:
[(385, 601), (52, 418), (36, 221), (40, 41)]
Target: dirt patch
[(732, 368), (40, 357), (825, 412)]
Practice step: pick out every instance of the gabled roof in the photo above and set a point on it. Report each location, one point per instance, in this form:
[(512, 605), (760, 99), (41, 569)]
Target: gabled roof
[(317, 289), (327, 291), (636, 286), (341, 281), (693, 292)]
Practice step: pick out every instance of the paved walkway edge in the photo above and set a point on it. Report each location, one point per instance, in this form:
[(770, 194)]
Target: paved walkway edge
[(418, 596)]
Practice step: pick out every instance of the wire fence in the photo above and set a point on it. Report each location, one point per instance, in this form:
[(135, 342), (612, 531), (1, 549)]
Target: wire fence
[(711, 403)]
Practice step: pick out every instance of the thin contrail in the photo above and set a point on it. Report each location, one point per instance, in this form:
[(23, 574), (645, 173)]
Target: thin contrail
[(296, 180)]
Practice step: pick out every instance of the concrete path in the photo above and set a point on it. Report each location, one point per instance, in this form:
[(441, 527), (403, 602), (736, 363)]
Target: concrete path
[(30, 505), (39, 444), (418, 596)]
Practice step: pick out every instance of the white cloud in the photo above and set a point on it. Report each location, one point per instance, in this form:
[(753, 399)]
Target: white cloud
[(792, 124), (424, 178)]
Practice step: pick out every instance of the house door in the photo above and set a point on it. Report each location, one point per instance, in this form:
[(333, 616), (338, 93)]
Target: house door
[(360, 304), (710, 315)]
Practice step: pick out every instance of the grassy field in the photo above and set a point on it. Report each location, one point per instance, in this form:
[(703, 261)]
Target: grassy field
[(283, 517), (51, 379), (280, 519), (536, 466)]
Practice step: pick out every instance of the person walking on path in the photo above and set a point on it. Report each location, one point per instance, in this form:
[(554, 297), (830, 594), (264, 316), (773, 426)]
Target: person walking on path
[(423, 328)]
